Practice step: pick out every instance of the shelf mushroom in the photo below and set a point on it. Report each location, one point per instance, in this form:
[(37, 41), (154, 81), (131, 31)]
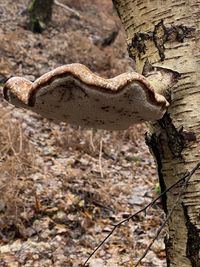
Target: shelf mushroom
[(73, 94)]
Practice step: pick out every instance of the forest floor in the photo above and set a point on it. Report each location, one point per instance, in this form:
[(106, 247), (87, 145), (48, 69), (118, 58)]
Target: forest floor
[(62, 187)]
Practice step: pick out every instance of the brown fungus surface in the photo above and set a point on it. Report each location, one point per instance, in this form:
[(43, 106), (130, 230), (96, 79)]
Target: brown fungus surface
[(72, 93)]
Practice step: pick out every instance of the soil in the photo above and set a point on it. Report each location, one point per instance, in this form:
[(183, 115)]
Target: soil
[(63, 187)]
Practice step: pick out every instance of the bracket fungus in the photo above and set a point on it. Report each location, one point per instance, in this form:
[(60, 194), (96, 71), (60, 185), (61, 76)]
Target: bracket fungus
[(74, 94)]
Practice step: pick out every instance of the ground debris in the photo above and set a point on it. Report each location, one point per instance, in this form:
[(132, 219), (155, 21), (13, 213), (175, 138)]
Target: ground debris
[(55, 204)]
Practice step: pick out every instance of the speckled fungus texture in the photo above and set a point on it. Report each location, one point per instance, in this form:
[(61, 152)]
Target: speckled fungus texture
[(72, 93)]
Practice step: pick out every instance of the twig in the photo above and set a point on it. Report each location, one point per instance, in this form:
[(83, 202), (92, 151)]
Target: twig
[(183, 188), (102, 242), (68, 9), (100, 157), (188, 176), (91, 139)]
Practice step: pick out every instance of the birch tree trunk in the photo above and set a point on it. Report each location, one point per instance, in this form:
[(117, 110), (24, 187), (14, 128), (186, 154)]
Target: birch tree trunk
[(166, 33)]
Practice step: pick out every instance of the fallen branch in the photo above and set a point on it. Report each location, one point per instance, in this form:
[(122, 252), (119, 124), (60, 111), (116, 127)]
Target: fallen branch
[(66, 8), (187, 177)]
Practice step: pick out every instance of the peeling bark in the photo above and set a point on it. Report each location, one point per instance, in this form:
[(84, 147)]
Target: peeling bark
[(166, 34)]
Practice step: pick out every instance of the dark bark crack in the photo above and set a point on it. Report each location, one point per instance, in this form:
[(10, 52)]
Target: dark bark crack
[(168, 248), (176, 142), (154, 143), (159, 36), (193, 240)]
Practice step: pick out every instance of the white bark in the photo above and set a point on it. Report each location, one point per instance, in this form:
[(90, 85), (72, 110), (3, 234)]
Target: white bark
[(167, 34)]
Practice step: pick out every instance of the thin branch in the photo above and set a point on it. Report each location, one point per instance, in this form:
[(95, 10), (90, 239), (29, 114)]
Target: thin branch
[(102, 242), (91, 134), (66, 8), (183, 188), (100, 158), (188, 176)]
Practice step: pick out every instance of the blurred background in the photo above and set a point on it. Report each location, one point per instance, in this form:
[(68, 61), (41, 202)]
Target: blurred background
[(62, 187)]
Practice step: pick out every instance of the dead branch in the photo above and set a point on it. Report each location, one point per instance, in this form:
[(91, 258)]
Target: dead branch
[(68, 9), (183, 188), (100, 158)]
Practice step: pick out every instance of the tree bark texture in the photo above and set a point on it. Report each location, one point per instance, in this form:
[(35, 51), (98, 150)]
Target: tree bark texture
[(40, 12), (166, 33)]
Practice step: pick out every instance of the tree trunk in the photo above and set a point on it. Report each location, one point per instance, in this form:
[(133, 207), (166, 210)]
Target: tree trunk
[(166, 33), (40, 14)]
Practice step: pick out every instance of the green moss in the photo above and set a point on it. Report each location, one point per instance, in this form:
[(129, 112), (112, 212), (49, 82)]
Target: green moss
[(2, 84), (31, 6), (157, 189)]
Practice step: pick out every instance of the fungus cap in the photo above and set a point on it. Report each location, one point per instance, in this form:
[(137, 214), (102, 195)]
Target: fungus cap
[(74, 94)]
